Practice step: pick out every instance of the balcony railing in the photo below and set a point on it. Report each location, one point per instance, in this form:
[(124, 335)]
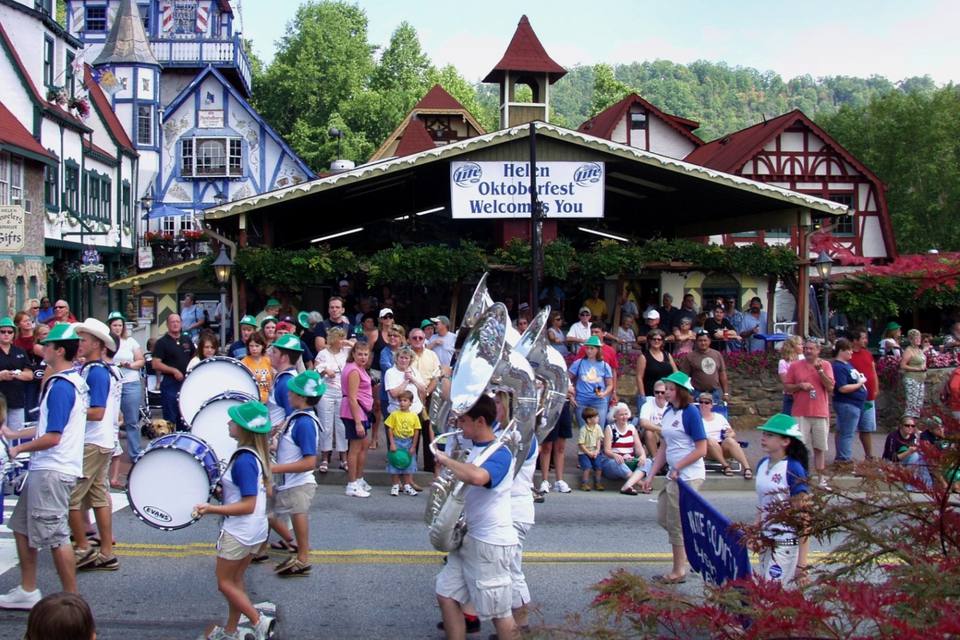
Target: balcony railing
[(169, 249), (176, 52)]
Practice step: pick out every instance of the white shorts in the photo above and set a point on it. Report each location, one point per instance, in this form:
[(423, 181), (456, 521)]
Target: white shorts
[(479, 573), (521, 592), (780, 563)]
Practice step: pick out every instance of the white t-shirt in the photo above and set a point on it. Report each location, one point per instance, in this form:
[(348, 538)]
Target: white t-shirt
[(579, 331), (394, 378), (679, 440), (715, 425), (650, 411), (125, 354), (334, 361), (443, 347)]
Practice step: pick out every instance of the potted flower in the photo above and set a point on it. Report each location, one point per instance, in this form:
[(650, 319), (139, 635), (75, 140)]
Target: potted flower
[(194, 235), (81, 105), (58, 95)]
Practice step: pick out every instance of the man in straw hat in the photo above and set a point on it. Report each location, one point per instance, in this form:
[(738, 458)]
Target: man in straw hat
[(92, 490), (56, 462)]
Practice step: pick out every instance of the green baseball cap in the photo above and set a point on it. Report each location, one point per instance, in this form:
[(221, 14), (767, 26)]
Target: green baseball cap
[(681, 379), (267, 319), (782, 425), (289, 342), (248, 320), (252, 416), (7, 321), (303, 318), (426, 323), (593, 341), (272, 302), (399, 459), (115, 315), (892, 326), (60, 332), (308, 384)]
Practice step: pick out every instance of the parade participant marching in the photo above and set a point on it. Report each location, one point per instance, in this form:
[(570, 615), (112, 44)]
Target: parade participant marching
[(284, 355), (100, 439), (781, 475), (245, 484), (479, 571), (296, 460), (56, 462)]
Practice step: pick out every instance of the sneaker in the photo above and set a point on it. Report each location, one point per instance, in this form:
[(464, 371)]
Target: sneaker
[(356, 491), (100, 562), (17, 598), (410, 491), (85, 556), (363, 484), (545, 486), (395, 490), (219, 634), (561, 487), (585, 486), (263, 608), (599, 486), (264, 627)]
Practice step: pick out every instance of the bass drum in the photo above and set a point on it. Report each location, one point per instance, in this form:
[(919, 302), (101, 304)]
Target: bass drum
[(173, 475), (210, 423), (212, 377)]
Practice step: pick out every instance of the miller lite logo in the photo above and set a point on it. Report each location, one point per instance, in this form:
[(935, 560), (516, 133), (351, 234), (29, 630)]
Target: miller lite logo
[(467, 174), (588, 173)]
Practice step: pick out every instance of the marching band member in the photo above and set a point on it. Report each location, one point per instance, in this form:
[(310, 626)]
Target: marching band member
[(56, 462), (245, 484), (284, 355), (479, 571)]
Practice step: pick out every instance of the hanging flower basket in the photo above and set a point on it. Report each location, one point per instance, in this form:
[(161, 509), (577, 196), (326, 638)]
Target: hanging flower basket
[(58, 95), (80, 105)]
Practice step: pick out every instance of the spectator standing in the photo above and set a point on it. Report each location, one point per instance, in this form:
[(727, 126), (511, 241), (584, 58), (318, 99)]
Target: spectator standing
[(335, 318), (355, 411), (890, 343), (811, 382), (238, 350), (193, 317), (862, 361), (61, 313), (655, 363), (258, 363), (16, 370), (208, 345), (683, 337), (651, 322), (913, 367), (669, 316), (129, 360), (329, 364), (592, 379), (26, 339), (589, 443), (171, 355), (792, 349), (427, 364), (753, 323), (45, 312), (687, 310), (271, 309), (443, 341), (596, 304), (555, 335), (951, 394), (706, 368), (626, 336), (849, 395), (579, 331), (720, 329)]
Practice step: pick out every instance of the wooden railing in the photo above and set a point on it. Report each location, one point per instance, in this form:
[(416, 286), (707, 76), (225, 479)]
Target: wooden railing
[(177, 52)]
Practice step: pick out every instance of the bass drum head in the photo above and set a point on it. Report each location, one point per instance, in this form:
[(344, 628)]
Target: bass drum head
[(210, 378), (164, 485), (210, 423)]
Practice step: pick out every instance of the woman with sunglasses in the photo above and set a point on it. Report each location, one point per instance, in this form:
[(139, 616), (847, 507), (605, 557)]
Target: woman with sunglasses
[(26, 327), (655, 363), (721, 439), (16, 371)]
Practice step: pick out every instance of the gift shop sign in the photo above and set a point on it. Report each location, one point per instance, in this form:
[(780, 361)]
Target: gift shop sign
[(501, 190), (11, 229)]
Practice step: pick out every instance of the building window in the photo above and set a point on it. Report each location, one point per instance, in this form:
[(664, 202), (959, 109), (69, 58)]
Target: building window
[(125, 204), (843, 225), (145, 125), (638, 120), (68, 74), (93, 196), (51, 187), (169, 224), (71, 188), (105, 201), (45, 6), (4, 178), (211, 157), (185, 17), (48, 61), (145, 17), (16, 180), (96, 19)]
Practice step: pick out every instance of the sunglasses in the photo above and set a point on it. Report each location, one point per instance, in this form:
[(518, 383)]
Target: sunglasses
[(417, 337), (656, 339), (60, 306), (706, 401), (386, 315), (6, 330), (585, 313), (659, 393)]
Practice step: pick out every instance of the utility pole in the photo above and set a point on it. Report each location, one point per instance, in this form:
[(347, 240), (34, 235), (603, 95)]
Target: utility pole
[(536, 225)]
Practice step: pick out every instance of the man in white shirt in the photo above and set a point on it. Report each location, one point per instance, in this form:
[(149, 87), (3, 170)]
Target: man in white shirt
[(580, 331), (427, 363), (651, 413), (443, 341)]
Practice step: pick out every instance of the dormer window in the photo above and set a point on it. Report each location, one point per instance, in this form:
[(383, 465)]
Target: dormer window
[(210, 157), (45, 6), (638, 120), (96, 19)]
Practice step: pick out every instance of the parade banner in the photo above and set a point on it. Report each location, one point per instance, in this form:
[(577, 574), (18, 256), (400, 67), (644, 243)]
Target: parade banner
[(714, 551), (501, 190)]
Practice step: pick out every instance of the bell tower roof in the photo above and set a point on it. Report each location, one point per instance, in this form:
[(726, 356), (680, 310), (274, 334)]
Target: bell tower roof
[(525, 53), (127, 42)]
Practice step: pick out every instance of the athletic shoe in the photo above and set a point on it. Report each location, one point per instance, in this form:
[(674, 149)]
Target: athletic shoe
[(85, 556), (395, 490), (17, 598), (356, 491), (363, 484), (100, 562), (410, 491), (545, 486), (264, 627), (561, 487), (219, 634), (263, 608)]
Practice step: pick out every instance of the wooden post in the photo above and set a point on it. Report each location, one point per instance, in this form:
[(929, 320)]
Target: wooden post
[(771, 298), (454, 303), (803, 277)]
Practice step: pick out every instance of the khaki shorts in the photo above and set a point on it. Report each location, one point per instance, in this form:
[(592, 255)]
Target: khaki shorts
[(91, 489), (229, 548), (668, 509), (41, 511), (815, 432), (479, 573), (294, 500)]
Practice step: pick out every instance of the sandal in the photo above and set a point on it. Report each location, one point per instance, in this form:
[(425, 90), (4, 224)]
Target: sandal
[(727, 471), (284, 545), (294, 569), (748, 474), (665, 579), (324, 467), (260, 557), (629, 491)]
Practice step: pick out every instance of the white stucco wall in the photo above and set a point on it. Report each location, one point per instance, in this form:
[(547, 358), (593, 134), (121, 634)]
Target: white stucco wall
[(666, 141)]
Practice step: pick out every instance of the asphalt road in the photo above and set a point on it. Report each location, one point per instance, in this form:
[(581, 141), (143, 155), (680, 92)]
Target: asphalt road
[(373, 568)]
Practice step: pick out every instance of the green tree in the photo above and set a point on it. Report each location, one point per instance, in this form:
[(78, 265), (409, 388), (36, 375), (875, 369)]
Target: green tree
[(401, 78), (466, 93), (912, 142), (607, 90)]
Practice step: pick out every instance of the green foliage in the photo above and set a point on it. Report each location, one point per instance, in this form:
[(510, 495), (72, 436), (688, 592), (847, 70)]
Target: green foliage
[(912, 142), (424, 265), (268, 269), (607, 90), (559, 257), (467, 94)]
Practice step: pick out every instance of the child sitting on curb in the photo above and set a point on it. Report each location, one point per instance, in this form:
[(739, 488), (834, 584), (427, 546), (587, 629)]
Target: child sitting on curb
[(588, 442)]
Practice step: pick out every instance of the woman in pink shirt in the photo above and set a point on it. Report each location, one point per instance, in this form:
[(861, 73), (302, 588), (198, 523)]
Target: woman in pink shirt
[(355, 411)]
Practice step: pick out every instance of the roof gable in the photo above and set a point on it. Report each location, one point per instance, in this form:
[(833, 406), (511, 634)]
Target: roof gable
[(415, 138), (525, 53), (603, 124), (194, 85), (438, 98), (106, 113), (14, 134), (127, 42)]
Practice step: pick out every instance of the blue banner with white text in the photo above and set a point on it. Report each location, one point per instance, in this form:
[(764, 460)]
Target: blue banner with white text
[(713, 549)]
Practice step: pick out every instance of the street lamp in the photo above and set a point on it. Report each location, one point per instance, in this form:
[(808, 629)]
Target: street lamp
[(222, 267), (338, 134), (824, 265), (147, 201)]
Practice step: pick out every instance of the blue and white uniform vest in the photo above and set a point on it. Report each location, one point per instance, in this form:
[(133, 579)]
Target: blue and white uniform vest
[(773, 486), (67, 456), (252, 528), (103, 432), (488, 510), (288, 451)]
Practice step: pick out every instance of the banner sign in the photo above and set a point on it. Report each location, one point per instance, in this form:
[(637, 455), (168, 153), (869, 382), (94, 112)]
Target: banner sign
[(11, 229), (713, 549), (501, 190)]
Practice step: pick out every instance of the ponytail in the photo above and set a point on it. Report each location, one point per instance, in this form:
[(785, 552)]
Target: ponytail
[(798, 451)]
